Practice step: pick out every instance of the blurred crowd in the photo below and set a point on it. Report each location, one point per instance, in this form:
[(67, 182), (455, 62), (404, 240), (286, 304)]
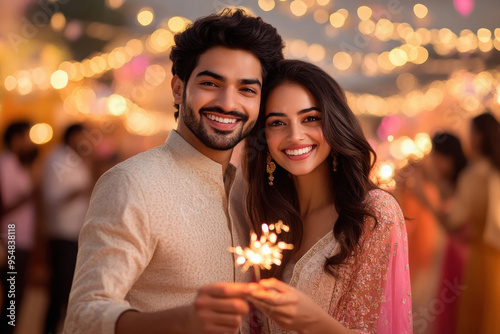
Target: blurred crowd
[(451, 201), (44, 201), (452, 205)]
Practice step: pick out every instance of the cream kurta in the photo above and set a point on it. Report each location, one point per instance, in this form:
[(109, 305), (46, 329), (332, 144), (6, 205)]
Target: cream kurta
[(158, 228)]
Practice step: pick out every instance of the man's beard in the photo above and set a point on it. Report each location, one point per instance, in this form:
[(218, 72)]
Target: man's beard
[(221, 140)]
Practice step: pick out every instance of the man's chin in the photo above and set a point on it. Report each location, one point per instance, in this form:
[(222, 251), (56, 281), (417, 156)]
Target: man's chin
[(221, 145)]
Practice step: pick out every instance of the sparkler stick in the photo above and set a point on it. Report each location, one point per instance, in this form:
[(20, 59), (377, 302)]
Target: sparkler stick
[(264, 252)]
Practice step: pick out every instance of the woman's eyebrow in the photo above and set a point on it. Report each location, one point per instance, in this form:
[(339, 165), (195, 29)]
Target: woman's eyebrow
[(303, 111)]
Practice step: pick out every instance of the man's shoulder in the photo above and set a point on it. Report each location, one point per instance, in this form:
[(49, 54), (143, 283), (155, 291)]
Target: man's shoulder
[(159, 155)]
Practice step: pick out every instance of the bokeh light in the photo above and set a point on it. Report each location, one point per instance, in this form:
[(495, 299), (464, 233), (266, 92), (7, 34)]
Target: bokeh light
[(59, 79), (176, 24), (117, 105), (316, 52), (145, 16), (41, 133), (266, 5), (58, 21), (364, 12), (337, 20), (342, 60), (114, 4), (420, 10)]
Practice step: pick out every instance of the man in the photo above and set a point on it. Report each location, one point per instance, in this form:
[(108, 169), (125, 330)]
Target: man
[(66, 186), (17, 218), (158, 229)]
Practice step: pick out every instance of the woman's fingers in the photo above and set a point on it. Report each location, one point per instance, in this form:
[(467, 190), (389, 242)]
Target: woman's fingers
[(261, 305), (273, 283), (271, 310), (275, 298)]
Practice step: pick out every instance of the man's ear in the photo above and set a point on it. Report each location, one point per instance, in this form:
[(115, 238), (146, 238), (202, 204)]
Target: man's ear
[(177, 89)]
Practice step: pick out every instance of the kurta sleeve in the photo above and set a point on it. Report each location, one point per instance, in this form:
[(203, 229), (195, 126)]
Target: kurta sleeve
[(115, 246), (377, 297)]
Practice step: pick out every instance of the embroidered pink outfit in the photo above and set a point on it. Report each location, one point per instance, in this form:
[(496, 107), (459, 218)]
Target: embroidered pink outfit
[(372, 292)]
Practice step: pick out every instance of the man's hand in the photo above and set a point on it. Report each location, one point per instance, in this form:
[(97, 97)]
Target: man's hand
[(220, 307)]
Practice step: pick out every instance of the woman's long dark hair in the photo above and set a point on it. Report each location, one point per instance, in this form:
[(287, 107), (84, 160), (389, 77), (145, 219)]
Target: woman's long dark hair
[(349, 185), (487, 126)]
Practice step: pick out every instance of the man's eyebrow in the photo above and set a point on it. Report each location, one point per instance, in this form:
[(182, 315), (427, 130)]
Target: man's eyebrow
[(211, 74), (251, 82), (221, 78), (303, 111)]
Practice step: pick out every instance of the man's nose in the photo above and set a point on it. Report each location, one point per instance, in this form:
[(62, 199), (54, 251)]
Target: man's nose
[(227, 100)]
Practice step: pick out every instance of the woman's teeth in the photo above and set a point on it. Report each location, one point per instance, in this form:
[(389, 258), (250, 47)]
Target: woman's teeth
[(299, 151)]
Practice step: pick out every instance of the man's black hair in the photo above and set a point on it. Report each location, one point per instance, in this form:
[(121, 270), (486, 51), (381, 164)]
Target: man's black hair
[(231, 28)]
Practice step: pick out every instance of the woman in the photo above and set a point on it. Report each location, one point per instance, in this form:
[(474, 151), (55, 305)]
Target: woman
[(308, 163), (448, 161), (478, 196)]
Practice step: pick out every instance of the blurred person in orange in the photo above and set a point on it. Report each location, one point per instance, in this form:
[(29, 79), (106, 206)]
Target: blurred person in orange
[(448, 161), (425, 236), (17, 199), (66, 187), (443, 167), (478, 202)]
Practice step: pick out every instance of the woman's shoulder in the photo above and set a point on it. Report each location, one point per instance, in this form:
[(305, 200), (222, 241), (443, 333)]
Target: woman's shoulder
[(384, 206), (377, 199)]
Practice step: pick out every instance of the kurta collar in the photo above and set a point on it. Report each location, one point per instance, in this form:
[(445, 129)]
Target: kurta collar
[(195, 157)]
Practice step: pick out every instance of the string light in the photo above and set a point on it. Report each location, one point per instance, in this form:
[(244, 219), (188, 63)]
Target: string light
[(337, 20), (364, 13), (266, 5), (58, 21), (41, 133), (145, 16), (176, 24), (298, 7), (10, 83), (412, 50), (420, 10), (114, 4)]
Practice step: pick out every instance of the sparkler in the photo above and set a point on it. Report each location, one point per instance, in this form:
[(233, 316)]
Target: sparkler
[(264, 252)]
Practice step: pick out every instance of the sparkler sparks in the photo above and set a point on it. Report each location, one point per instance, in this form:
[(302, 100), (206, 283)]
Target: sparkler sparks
[(264, 252)]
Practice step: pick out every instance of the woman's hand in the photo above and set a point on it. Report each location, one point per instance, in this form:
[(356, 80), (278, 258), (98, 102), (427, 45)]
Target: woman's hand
[(286, 306)]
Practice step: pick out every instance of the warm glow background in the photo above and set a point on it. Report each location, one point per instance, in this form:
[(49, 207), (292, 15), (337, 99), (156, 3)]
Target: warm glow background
[(409, 68)]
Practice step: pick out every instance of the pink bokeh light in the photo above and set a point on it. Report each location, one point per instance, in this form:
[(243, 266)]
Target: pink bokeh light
[(464, 7)]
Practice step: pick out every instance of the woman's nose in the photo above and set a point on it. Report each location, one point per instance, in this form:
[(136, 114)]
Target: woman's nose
[(295, 132)]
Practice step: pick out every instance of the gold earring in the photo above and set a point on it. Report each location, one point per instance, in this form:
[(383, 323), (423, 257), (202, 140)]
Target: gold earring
[(270, 168), (335, 163)]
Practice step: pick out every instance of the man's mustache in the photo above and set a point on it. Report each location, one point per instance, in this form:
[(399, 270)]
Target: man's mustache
[(218, 110)]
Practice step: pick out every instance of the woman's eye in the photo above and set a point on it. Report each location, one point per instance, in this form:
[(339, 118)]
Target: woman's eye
[(312, 119), (275, 123)]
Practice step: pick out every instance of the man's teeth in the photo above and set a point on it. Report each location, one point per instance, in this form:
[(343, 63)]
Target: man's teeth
[(299, 151), (221, 119)]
